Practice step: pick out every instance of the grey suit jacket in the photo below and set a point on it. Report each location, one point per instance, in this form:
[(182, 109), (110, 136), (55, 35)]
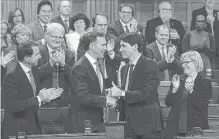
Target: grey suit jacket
[(152, 51), (37, 30)]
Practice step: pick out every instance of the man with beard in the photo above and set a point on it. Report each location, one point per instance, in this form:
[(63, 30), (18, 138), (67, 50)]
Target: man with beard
[(44, 13), (176, 28)]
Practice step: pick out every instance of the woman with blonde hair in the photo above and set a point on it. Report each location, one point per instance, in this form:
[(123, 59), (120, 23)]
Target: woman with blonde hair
[(188, 97)]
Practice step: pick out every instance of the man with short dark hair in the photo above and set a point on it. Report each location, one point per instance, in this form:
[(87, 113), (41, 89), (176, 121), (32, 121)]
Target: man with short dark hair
[(44, 14), (21, 96), (88, 84), (140, 79)]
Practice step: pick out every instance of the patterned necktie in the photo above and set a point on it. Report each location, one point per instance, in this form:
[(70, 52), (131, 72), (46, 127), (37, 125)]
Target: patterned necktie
[(166, 72), (98, 72), (66, 25), (45, 28), (32, 82), (126, 29), (55, 77), (101, 64)]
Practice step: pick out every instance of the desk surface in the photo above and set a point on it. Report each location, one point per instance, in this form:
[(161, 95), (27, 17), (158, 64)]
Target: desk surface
[(197, 137), (69, 136)]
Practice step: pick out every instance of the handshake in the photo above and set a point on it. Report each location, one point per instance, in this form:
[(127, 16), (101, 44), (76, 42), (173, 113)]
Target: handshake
[(46, 95), (112, 96)]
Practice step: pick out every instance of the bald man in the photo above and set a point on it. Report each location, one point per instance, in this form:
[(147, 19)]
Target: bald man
[(165, 17), (53, 49)]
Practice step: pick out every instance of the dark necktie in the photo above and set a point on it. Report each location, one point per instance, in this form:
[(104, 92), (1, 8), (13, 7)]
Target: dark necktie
[(66, 26), (126, 29), (129, 78), (32, 82), (55, 77), (45, 28)]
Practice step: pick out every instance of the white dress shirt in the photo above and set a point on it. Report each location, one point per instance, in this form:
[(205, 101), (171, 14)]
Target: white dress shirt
[(124, 26), (26, 71), (160, 47)]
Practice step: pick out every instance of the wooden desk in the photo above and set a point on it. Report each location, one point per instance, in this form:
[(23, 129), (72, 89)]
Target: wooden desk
[(196, 138), (69, 136), (115, 130)]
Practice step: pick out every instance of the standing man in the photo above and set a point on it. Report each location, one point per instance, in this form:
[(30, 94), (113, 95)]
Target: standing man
[(140, 79), (164, 53), (64, 18), (44, 13), (176, 28), (64, 58), (87, 83), (21, 98), (126, 23), (112, 57), (212, 26)]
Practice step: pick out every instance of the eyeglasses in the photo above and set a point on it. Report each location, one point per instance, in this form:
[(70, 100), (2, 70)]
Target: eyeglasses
[(124, 12), (200, 21), (61, 39), (186, 62), (166, 9), (102, 25), (16, 16)]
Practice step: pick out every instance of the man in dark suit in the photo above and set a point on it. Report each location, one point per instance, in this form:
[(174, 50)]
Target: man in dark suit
[(44, 13), (140, 79), (177, 30), (164, 53), (54, 49), (212, 26), (126, 23), (112, 56), (64, 18), (88, 84), (22, 99)]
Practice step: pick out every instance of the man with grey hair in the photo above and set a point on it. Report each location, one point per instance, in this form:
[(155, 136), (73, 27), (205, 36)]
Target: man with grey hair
[(176, 28), (64, 60), (164, 53), (64, 8)]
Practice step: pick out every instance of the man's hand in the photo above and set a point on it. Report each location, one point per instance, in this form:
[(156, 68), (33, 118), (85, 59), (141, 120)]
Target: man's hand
[(55, 94), (111, 101), (115, 91), (174, 34), (7, 58), (58, 56), (110, 46), (44, 94), (134, 25)]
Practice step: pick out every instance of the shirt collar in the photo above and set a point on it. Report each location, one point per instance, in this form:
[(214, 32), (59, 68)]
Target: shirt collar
[(160, 46), (136, 60), (63, 19), (123, 24), (42, 24), (49, 48), (90, 58), (25, 68)]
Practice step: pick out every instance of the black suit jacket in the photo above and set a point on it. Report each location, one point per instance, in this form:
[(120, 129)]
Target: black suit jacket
[(142, 106), (174, 24), (64, 76), (117, 29), (202, 11), (90, 101), (197, 105), (58, 19), (21, 105), (152, 51)]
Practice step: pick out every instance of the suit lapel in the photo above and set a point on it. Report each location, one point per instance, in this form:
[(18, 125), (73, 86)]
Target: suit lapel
[(45, 53), (91, 70), (120, 27), (124, 77), (157, 51), (23, 76), (136, 71), (39, 28)]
